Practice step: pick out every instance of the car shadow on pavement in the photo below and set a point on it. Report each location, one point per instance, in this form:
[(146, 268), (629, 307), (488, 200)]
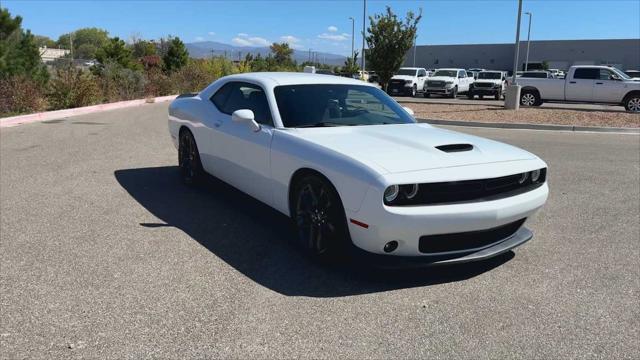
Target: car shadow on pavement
[(257, 240)]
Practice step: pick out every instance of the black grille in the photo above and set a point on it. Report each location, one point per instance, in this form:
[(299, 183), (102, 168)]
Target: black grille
[(467, 240), (483, 85), (435, 83), (455, 192)]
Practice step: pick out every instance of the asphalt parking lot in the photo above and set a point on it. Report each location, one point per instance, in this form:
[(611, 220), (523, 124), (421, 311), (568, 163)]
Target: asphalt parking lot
[(104, 253)]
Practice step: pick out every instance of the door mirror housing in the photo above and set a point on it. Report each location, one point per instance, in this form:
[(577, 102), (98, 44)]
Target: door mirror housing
[(409, 110), (247, 117)]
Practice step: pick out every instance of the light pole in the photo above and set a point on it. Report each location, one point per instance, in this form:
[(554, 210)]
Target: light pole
[(415, 39), (512, 97), (526, 62), (364, 21), (353, 27)]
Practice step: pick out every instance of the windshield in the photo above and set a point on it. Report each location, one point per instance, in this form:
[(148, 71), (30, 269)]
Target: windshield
[(410, 72), (489, 75), (318, 105), (448, 73)]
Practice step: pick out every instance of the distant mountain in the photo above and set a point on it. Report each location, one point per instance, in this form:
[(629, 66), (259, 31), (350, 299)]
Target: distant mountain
[(206, 49)]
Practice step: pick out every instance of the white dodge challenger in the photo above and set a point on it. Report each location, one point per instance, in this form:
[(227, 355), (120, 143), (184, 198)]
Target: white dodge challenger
[(351, 166)]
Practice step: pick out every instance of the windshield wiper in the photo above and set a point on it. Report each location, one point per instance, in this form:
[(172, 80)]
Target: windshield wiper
[(323, 124)]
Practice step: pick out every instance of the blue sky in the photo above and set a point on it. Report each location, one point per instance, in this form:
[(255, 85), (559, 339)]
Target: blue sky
[(325, 25)]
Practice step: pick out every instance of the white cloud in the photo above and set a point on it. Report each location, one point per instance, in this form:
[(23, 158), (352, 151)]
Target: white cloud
[(293, 41), (332, 28), (199, 38), (334, 37), (211, 33), (246, 40)]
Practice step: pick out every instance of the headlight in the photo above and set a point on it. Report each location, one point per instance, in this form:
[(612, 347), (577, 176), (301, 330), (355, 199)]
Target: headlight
[(535, 175), (408, 82), (523, 178), (449, 82), (401, 194), (391, 193)]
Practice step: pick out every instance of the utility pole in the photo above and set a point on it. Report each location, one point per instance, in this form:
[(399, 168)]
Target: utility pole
[(353, 22), (364, 21), (512, 97), (526, 62)]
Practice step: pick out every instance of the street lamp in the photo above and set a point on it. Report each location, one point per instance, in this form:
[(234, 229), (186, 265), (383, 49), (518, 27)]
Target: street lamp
[(415, 39), (353, 24), (526, 63), (364, 21), (512, 97)]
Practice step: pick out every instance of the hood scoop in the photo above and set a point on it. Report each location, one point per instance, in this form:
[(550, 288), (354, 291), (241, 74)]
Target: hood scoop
[(451, 148)]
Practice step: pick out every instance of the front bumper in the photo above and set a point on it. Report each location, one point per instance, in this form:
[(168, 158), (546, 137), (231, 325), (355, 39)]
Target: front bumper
[(484, 91), (431, 90), (407, 224), (386, 261)]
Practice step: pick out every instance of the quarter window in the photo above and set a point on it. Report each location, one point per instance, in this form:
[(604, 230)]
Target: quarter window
[(606, 74), (220, 97)]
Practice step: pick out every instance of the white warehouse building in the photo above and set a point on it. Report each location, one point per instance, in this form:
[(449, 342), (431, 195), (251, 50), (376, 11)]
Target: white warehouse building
[(559, 54)]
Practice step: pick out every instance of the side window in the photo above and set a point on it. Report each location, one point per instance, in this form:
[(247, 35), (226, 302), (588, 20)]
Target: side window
[(462, 74), (606, 74), (249, 96), (586, 73), (221, 96)]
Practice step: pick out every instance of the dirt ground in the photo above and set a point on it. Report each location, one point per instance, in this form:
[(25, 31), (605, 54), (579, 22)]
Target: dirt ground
[(492, 113)]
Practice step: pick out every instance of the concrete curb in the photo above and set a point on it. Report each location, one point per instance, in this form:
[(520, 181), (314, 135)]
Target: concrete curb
[(532, 126), (60, 114)]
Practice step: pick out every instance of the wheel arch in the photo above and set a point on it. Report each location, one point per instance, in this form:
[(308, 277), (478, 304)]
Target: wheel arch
[(300, 174), (629, 94)]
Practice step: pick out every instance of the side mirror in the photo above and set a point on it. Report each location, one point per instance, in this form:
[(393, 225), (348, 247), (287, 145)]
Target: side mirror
[(615, 77), (246, 116), (409, 110)]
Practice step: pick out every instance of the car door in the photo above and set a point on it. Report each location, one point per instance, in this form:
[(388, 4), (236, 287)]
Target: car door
[(463, 81), (242, 155), (422, 76), (580, 86), (608, 87)]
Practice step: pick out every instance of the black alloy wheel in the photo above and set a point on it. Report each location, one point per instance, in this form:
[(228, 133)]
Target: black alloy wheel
[(189, 159), (319, 219)]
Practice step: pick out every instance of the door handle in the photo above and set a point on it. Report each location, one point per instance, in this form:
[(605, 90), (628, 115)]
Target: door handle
[(598, 83), (572, 82)]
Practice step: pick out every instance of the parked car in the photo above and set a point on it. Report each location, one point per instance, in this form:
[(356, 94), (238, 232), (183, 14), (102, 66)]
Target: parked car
[(634, 74), (448, 82), (407, 81), (583, 83), (540, 74), (491, 83), (373, 77), (354, 170), (475, 72)]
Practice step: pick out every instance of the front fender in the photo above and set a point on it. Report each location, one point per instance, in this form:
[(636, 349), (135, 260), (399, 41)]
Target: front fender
[(289, 154)]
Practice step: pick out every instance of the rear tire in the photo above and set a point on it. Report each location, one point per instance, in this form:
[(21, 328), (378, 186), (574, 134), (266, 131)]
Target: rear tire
[(189, 159), (632, 103), (319, 219), (530, 98)]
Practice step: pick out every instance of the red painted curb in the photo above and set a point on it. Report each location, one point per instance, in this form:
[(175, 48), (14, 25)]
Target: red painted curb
[(59, 114)]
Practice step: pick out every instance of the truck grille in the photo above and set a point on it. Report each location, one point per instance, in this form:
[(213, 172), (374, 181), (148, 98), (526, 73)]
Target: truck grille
[(433, 83), (430, 244), (483, 85)]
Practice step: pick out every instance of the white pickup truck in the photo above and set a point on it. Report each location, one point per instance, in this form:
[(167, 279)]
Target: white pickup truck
[(407, 81), (583, 83)]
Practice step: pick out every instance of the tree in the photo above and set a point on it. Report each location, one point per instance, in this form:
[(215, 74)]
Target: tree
[(389, 39), (282, 53), (86, 42), (176, 56), (19, 54), (116, 51), (142, 48), (44, 41), (351, 66)]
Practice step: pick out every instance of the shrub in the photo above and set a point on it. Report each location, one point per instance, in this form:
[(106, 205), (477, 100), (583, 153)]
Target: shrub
[(73, 88), (198, 73), (20, 94), (158, 84), (120, 83)]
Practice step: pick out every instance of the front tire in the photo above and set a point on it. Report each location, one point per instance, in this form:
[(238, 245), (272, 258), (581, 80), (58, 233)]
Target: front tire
[(319, 218), (454, 93), (632, 103), (414, 90), (499, 95), (189, 159), (470, 95)]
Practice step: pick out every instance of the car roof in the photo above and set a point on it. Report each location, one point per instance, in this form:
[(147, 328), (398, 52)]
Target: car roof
[(293, 78), (411, 68), (454, 69)]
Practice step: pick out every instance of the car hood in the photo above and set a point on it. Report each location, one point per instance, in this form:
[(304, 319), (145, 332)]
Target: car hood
[(442, 78), (402, 77), (409, 147)]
